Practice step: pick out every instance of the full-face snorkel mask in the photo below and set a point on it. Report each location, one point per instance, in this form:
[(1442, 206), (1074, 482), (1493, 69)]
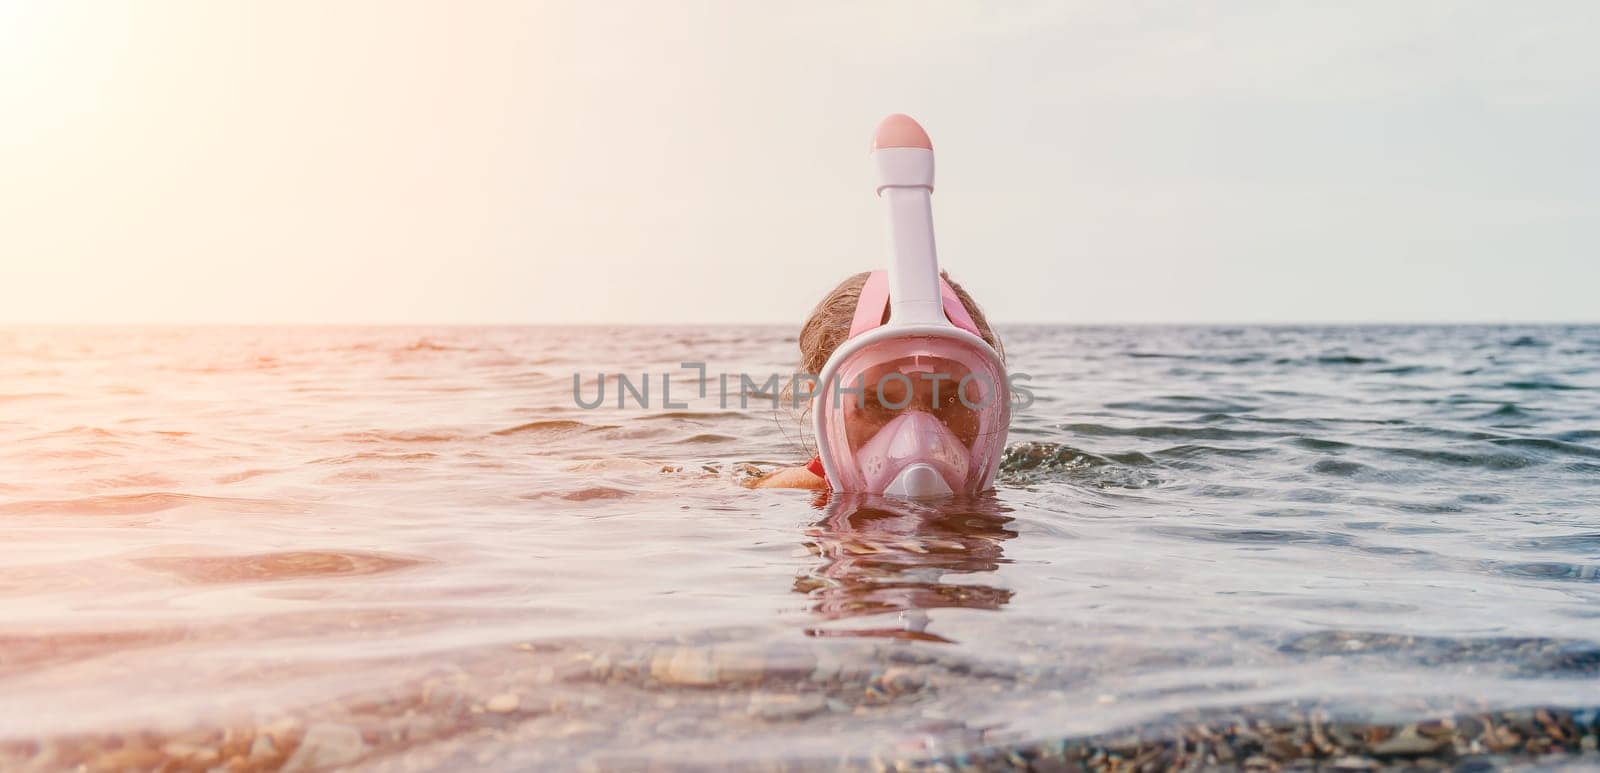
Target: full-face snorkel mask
[(917, 406)]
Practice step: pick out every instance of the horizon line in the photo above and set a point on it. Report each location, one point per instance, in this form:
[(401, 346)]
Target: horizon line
[(1056, 323)]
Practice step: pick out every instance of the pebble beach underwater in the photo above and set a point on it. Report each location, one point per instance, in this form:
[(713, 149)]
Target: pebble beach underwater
[(389, 548)]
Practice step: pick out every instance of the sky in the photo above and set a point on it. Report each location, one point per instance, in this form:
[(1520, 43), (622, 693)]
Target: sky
[(178, 161)]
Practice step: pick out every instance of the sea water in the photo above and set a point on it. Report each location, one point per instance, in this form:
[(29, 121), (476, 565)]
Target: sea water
[(413, 548)]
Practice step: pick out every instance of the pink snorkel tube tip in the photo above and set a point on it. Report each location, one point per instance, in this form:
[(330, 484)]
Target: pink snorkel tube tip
[(900, 131)]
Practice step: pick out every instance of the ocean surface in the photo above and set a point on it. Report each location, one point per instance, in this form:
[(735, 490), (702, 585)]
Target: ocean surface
[(411, 548)]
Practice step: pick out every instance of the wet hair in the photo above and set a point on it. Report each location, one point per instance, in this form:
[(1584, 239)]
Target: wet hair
[(829, 323)]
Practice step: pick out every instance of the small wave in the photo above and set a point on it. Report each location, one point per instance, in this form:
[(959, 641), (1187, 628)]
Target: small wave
[(596, 492), (426, 345), (1546, 570), (688, 415), (1428, 508), (1583, 541), (1407, 370), (1546, 444), (377, 456), (551, 428), (19, 396), (1403, 527), (142, 504), (1251, 535), (707, 437), (1542, 384), (1330, 359), (620, 464), (242, 475), (1162, 431), (589, 494), (1194, 450), (1161, 356), (81, 431), (246, 364), (24, 652), (1033, 456), (1023, 462), (404, 436), (1319, 444), (1445, 433), (1349, 359), (261, 567), (1182, 404), (1339, 468), (1368, 606), (1506, 411), (141, 480), (91, 442), (1491, 461), (1223, 491)]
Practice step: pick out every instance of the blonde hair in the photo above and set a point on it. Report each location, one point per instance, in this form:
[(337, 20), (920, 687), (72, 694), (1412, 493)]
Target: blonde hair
[(829, 323)]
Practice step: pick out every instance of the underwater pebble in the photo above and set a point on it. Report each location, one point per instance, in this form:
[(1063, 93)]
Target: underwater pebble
[(773, 708), (190, 753), (504, 703), (131, 757), (326, 745), (263, 748), (735, 667), (827, 668), (446, 699), (684, 667), (1354, 763), (1406, 743), (1259, 762)]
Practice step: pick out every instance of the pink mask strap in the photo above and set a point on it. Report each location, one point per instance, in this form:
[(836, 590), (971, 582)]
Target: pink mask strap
[(874, 302), (954, 310)]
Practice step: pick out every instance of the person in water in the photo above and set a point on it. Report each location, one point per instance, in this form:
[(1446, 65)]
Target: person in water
[(911, 397), (829, 326)]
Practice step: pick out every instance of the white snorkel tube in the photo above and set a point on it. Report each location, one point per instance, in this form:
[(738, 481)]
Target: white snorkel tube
[(918, 454), (903, 156)]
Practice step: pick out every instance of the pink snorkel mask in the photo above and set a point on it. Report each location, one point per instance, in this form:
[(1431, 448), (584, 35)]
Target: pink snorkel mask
[(917, 406)]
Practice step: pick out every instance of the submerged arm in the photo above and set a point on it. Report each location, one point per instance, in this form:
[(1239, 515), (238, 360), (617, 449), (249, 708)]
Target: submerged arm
[(790, 477)]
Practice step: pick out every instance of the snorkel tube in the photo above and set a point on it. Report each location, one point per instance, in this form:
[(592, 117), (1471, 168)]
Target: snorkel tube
[(927, 324), (903, 155)]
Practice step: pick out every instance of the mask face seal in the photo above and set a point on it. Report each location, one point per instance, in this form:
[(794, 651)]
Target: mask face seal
[(919, 415)]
